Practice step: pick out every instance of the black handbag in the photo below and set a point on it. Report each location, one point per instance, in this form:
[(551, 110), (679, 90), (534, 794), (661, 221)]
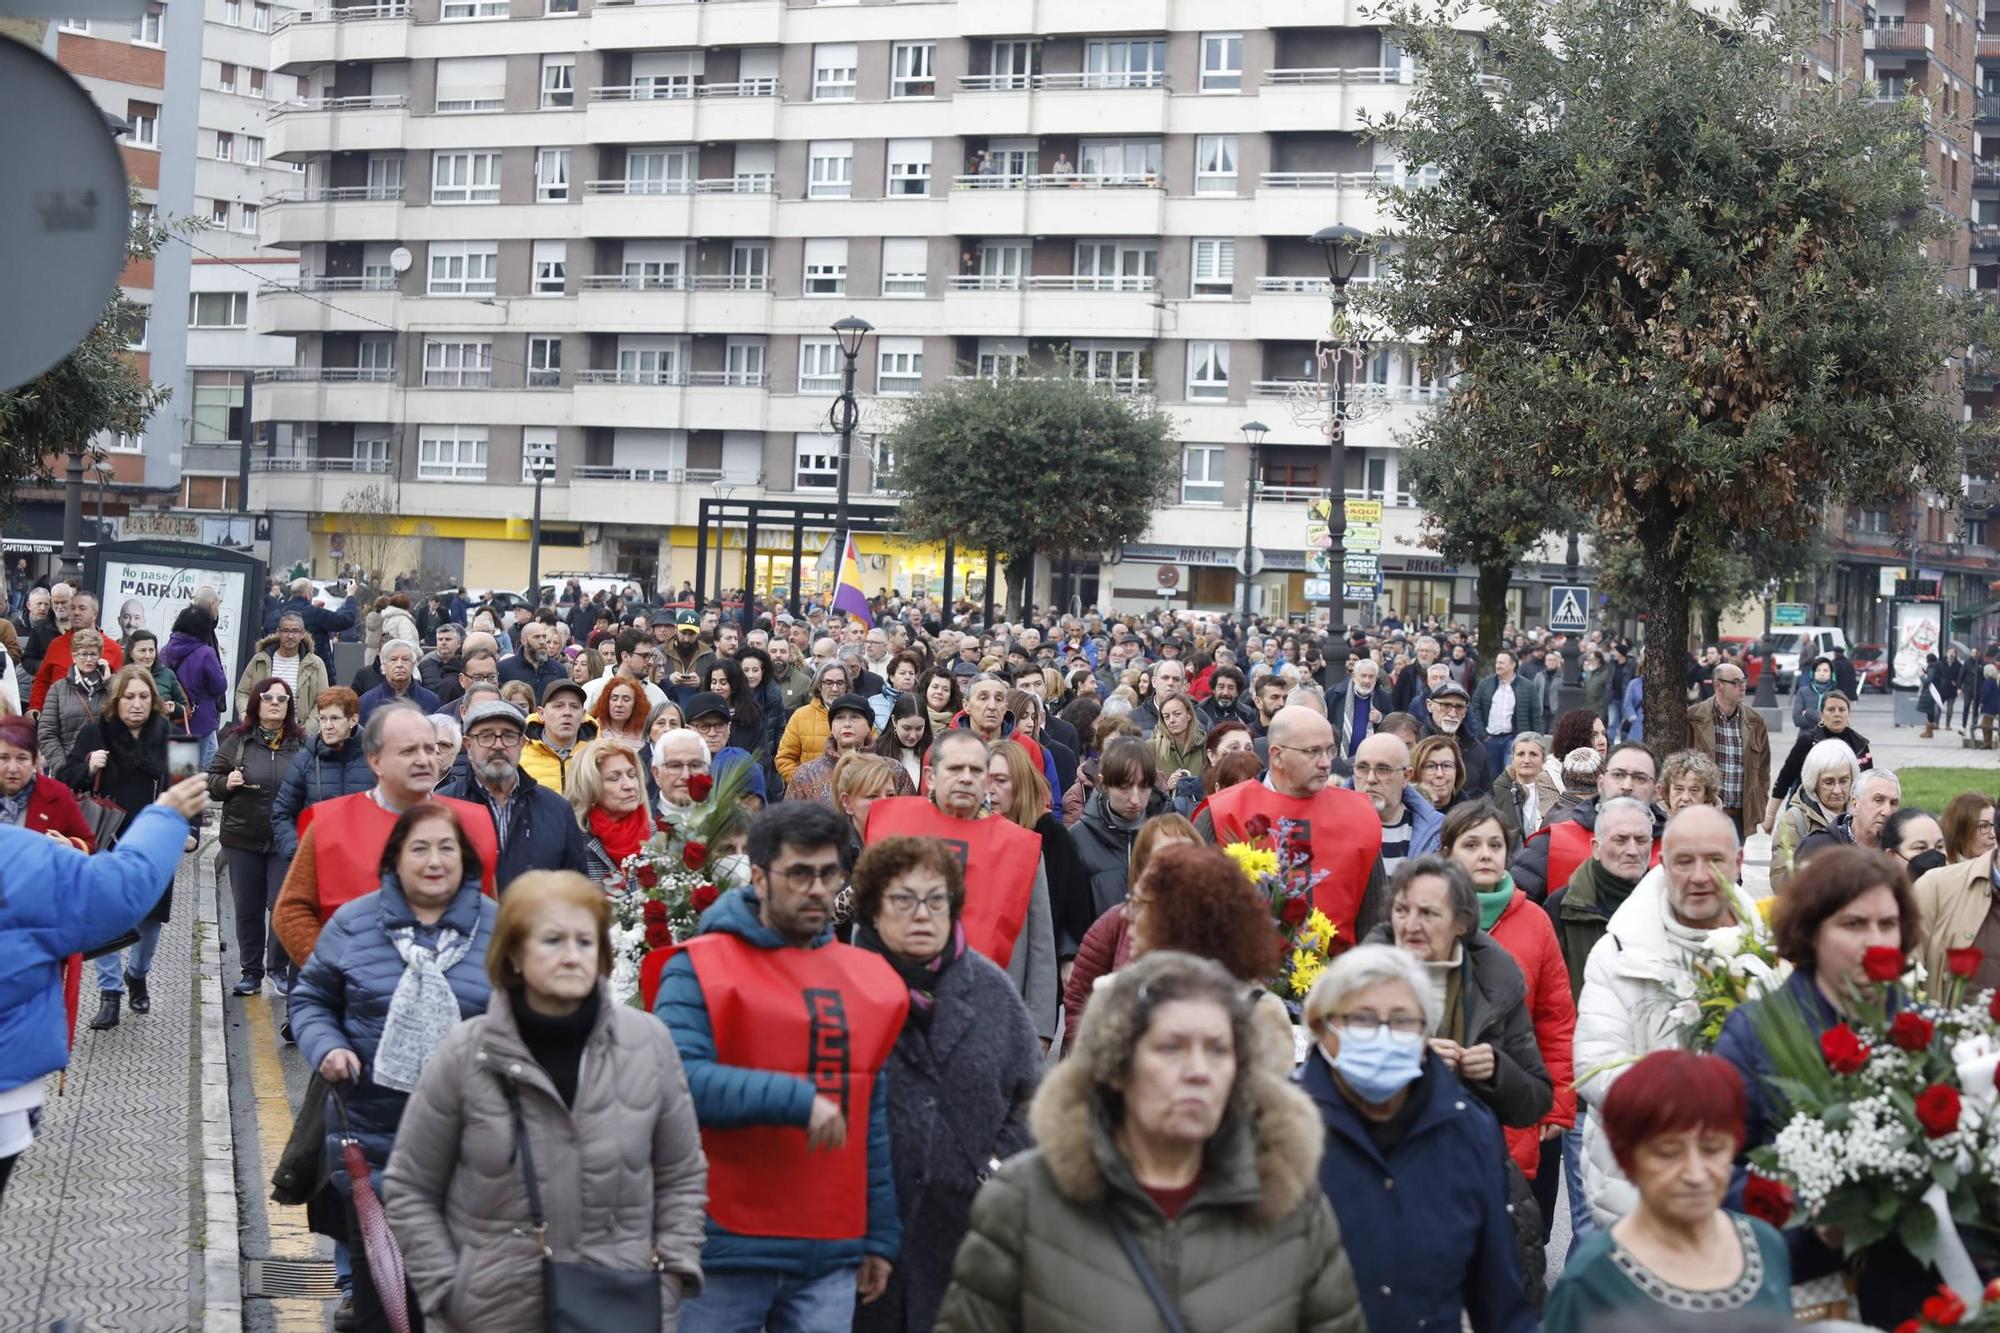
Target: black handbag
[(583, 1298), (302, 1167), (1170, 1314)]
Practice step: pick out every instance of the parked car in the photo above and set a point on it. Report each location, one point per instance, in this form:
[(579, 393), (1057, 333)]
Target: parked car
[(1750, 652), (1871, 668), (1802, 644)]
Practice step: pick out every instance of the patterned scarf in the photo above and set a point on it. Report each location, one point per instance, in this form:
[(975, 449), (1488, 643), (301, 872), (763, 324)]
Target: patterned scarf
[(423, 1011)]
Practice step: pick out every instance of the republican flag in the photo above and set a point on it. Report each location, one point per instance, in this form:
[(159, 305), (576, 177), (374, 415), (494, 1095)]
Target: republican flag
[(847, 594)]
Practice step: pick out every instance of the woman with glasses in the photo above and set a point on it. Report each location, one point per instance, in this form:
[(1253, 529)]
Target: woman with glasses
[(1407, 1152), (1967, 826), (810, 724), (960, 1077), (1438, 769), (249, 767)]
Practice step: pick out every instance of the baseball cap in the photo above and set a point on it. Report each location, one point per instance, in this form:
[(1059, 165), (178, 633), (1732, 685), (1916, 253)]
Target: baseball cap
[(705, 704), (688, 618), (494, 708), (851, 703), (564, 686)]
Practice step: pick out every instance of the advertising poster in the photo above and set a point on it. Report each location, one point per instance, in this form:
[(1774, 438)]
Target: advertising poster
[(1918, 632), (141, 593)]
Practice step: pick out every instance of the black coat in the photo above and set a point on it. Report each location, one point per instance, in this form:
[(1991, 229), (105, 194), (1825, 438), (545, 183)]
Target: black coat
[(1795, 762), (540, 830), (133, 775), (246, 811), (1105, 850), (1069, 882)]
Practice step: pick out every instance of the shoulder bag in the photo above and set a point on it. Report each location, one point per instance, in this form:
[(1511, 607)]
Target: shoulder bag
[(102, 815), (1150, 1280), (576, 1297)]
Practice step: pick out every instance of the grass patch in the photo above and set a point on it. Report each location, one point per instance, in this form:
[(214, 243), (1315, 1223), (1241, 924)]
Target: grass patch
[(1930, 788)]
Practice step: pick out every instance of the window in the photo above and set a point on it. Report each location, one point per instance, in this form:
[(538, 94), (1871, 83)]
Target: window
[(144, 118), (1215, 164), (899, 365), (545, 362), (1120, 161), (464, 268), (260, 17), (226, 77), (832, 170), (474, 9), (232, 13), (218, 310), (1013, 65), (652, 361), (903, 264), (909, 167), (881, 465), (538, 449), (666, 75), (257, 83), (1122, 368), (750, 266), (1117, 266), (385, 176), (246, 218), (1208, 370), (1222, 62), (225, 146), (1201, 474), (660, 171), (1214, 265), (552, 176), (471, 83), (136, 325), (76, 25), (551, 262), (816, 463), (655, 264), (465, 178), (1125, 63), (826, 266), (148, 31), (819, 366), (376, 361), (743, 363), (458, 365), (555, 7), (913, 70), (558, 82), (1001, 358), (833, 72), (253, 150), (451, 453), (218, 213)]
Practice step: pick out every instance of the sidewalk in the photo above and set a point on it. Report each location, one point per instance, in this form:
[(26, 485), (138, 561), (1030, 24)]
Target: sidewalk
[(122, 1216)]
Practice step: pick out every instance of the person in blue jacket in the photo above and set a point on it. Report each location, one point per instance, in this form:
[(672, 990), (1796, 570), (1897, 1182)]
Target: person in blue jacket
[(328, 765), (780, 1148), (56, 901), (1410, 1153)]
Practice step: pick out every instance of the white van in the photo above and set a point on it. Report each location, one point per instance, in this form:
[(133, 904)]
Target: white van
[(1802, 643)]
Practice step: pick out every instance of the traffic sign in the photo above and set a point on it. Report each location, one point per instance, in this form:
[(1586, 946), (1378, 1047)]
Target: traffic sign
[(1788, 613), (1168, 576), (1364, 537), (1569, 608), (1316, 590), (1249, 562), (1364, 511)]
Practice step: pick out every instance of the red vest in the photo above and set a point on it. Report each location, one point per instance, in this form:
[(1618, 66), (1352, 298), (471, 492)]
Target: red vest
[(353, 830), (999, 858), (1344, 831), (830, 1016), (1569, 847)]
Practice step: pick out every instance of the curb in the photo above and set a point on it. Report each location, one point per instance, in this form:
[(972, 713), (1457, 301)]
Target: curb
[(222, 1259)]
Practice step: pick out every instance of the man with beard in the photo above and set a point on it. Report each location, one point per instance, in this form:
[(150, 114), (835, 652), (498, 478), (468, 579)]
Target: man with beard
[(537, 829), (1410, 823), (1448, 707), (1225, 701)]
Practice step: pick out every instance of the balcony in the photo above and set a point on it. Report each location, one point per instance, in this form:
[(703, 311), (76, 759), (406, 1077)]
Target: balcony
[(311, 126), (1057, 204), (671, 476), (364, 305), (1985, 237), (683, 113), (1331, 98), (1896, 34), (1081, 304), (371, 466), (1077, 103), (662, 24), (1986, 173), (1284, 197), (701, 400), (313, 394), (725, 206), (326, 35), (1987, 108), (326, 375), (293, 218), (1007, 17)]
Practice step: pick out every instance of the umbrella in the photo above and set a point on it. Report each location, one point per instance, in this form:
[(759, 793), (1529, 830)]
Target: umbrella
[(385, 1261)]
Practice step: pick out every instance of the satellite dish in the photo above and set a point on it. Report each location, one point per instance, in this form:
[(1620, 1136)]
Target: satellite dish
[(64, 219), (399, 259)]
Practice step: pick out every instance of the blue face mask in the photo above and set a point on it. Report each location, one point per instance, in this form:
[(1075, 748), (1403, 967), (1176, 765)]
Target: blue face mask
[(1379, 1065)]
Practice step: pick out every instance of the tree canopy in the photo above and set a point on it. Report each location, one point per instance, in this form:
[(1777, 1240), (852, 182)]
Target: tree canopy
[(1688, 283)]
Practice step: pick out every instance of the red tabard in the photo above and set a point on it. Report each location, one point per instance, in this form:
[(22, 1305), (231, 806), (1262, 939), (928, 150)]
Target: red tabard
[(999, 858), (830, 1016), (1344, 831), (1569, 847), (353, 830)]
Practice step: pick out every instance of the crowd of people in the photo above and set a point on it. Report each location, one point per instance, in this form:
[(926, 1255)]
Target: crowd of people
[(987, 1040)]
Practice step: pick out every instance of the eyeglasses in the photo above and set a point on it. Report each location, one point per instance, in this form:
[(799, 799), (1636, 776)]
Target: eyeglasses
[(494, 740), (1378, 770), (906, 904), (1313, 752), (1627, 775), (801, 878), (1367, 1023), (681, 766), (1440, 766), (484, 680)]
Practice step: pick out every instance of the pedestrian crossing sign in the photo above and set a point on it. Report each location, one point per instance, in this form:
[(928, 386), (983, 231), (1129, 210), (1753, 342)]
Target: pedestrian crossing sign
[(1567, 608)]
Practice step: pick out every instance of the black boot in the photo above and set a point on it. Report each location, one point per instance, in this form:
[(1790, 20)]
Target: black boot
[(107, 1010), (142, 1002)]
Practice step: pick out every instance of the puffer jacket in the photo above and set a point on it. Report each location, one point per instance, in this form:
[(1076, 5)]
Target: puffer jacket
[(246, 811), (1257, 1250), (199, 671), (1104, 845), (71, 704), (806, 732), (319, 772), (540, 760), (1801, 818), (538, 829), (313, 678), (1523, 930), (620, 1171), (341, 1001)]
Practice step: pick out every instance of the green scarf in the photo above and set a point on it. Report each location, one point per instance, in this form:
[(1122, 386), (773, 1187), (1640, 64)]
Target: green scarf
[(1491, 905)]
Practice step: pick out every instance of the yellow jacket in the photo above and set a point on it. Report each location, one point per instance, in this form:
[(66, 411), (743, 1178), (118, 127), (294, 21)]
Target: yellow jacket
[(805, 736), (540, 761)]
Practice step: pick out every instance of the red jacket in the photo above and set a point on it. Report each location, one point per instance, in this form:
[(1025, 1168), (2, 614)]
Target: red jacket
[(52, 808), (58, 661), (1104, 948), (1524, 931)]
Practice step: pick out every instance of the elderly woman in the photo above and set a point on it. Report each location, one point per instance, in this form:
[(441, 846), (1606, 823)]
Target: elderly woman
[(1408, 1153), (1827, 781), (608, 794), (591, 1127), (1167, 1161), (1485, 1033), (392, 973), (1835, 710), (1689, 777), (1437, 767), (1107, 943), (1955, 901), (1518, 792), (962, 1073), (1846, 901), (74, 701), (1968, 826), (1675, 1121), (249, 766)]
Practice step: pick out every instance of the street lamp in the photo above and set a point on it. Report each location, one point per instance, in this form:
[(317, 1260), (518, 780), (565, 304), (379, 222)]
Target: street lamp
[(72, 552), (846, 415), (101, 464), (1342, 246), (541, 468), (1253, 435)]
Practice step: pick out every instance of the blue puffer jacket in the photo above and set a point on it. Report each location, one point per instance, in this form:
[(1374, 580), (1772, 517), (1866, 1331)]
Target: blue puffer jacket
[(319, 772), (55, 901), (729, 1096), (341, 999)]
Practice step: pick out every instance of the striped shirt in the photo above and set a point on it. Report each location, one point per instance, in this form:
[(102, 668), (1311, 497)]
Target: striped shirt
[(1396, 843)]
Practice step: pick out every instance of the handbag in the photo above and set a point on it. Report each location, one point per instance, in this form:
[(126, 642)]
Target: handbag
[(576, 1297), (1148, 1279), (302, 1165), (104, 816)]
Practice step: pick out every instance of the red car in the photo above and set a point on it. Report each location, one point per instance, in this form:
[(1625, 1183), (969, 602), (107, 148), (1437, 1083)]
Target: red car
[(1871, 668), (1753, 662)]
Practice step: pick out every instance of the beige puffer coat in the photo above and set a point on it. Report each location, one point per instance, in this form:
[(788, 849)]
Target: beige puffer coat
[(622, 1174)]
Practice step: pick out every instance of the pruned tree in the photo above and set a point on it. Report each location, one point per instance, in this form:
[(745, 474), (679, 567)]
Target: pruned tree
[(1705, 279), (1026, 464), (377, 544)]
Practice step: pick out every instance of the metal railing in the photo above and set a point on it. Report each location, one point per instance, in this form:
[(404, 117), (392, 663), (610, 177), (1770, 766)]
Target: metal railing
[(1054, 282), (374, 466), (326, 375), (1088, 81), (1306, 286), (677, 282), (310, 282), (1894, 33), (756, 182), (370, 102), (339, 194), (684, 92), (389, 9), (1986, 173), (1061, 180), (1316, 180), (675, 379), (1283, 78), (700, 476)]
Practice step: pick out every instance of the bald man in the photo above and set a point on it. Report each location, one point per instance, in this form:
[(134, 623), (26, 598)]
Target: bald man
[(1410, 823), (1340, 826)]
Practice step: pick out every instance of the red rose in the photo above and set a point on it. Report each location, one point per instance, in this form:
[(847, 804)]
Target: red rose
[(1993, 1007), (1945, 1308), (704, 897), (1937, 1112), (660, 824), (1908, 1326), (1770, 1200), (1845, 1052), (1963, 962), (1295, 911), (1882, 963), (658, 936), (700, 785), (1992, 1291), (647, 876), (1912, 1032), (694, 855), (1256, 826), (653, 910)]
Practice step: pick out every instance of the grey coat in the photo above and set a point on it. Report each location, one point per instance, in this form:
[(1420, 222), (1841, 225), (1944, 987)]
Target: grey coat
[(66, 711), (621, 1172), (958, 1102)]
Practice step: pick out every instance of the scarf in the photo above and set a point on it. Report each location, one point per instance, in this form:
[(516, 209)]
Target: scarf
[(1611, 891), (1492, 904), (424, 1010), (921, 978), (940, 722), (622, 835)]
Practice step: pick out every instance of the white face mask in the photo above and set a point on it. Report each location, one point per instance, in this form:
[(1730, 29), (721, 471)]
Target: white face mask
[(732, 871)]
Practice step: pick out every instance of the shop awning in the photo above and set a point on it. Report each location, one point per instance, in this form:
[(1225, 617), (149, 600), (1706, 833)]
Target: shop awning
[(1967, 616)]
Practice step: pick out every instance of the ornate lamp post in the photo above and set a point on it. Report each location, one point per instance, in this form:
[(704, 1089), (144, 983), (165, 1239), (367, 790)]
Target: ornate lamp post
[(1338, 355), (847, 415), (1253, 435)]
